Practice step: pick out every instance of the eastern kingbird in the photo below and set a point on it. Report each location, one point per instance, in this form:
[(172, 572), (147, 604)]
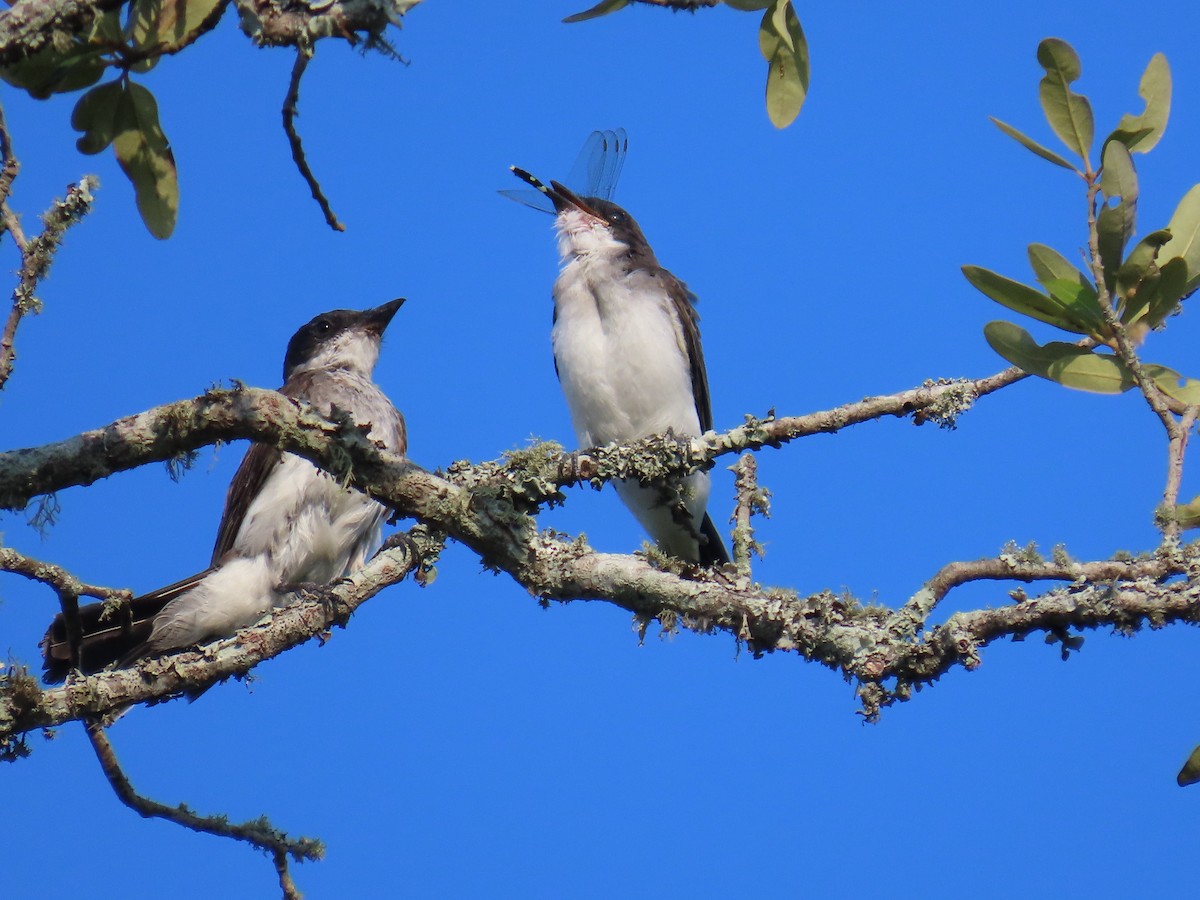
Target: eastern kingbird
[(286, 523), (626, 341)]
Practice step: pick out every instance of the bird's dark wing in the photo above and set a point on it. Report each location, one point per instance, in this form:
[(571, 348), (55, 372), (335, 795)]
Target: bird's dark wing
[(553, 322), (260, 460), (684, 302)]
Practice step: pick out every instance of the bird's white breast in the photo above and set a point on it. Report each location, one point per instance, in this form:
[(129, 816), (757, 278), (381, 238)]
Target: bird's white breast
[(620, 356), (311, 527)]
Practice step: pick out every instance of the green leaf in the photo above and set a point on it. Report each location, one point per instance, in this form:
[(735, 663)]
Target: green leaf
[(83, 72), (1174, 385), (603, 8), (96, 116), (1080, 304), (107, 28), (145, 156), (1114, 227), (1069, 114), (1065, 364), (748, 5), (1185, 239), (1030, 144), (51, 72), (142, 66), (1138, 278), (1118, 178), (1068, 287), (1188, 515), (1143, 255), (1172, 286), (1050, 265), (1115, 223), (1141, 132), (156, 22), (785, 49), (1021, 298)]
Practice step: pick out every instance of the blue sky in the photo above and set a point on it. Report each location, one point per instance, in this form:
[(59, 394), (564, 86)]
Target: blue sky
[(459, 740)]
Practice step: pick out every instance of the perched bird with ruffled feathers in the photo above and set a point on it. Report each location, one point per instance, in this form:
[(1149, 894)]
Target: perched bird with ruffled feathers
[(286, 523)]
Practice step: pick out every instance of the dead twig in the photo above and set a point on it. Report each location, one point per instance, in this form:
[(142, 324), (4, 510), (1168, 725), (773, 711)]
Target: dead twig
[(290, 102), (258, 833)]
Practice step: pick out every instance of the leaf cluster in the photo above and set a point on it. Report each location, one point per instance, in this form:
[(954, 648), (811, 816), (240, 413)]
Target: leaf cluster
[(1132, 292), (121, 113)]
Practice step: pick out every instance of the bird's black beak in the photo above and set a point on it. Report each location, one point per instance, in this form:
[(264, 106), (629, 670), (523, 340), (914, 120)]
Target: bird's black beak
[(562, 197), (377, 319)]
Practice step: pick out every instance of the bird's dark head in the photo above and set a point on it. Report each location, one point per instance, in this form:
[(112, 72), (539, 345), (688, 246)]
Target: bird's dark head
[(340, 339), (590, 226)]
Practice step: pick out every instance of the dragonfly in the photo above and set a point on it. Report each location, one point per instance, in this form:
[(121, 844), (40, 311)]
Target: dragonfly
[(595, 173)]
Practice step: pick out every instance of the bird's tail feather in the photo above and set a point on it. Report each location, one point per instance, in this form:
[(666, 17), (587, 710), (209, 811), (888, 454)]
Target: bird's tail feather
[(712, 548), (107, 640)]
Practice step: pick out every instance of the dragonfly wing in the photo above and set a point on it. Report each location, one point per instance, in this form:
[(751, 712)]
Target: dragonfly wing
[(613, 147)]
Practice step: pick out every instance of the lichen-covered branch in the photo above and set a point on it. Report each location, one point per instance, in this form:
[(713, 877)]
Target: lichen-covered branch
[(490, 508), (279, 23), (258, 833), (33, 25), (55, 576), (24, 706), (542, 470), (751, 500), (531, 477), (37, 253), (68, 588)]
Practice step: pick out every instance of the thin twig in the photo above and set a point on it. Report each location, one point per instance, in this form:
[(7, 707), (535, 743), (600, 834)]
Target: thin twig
[(55, 576), (1157, 400), (68, 588), (12, 224), (259, 833), (1176, 450), (1163, 406), (303, 55), (751, 500), (11, 167), (37, 253), (914, 614), (689, 5)]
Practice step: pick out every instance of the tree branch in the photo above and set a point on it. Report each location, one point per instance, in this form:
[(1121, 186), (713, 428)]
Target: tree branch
[(56, 577), (33, 25), (279, 23), (24, 707), (259, 833), (751, 500), (67, 586), (36, 254), (488, 509), (303, 55), (342, 448)]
